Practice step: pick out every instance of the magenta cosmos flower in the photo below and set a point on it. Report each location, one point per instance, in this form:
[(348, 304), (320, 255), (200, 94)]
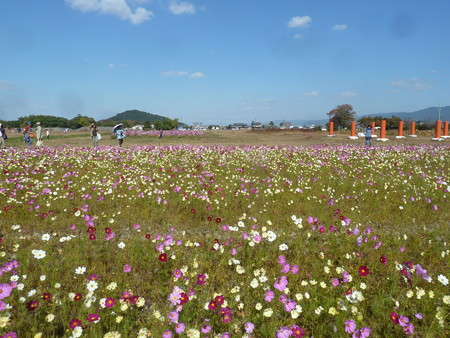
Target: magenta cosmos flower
[(127, 268), (269, 295), (350, 326), (363, 271), (5, 290)]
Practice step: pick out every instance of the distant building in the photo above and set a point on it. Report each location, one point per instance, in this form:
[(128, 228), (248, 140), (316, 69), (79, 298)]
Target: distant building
[(197, 125), (138, 127), (286, 125), (214, 127), (237, 126), (256, 125)]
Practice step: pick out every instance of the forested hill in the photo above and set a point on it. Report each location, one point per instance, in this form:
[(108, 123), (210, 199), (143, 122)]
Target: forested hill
[(138, 116)]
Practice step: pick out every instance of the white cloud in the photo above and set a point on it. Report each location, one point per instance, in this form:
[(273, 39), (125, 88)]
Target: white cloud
[(119, 8), (175, 73), (111, 65), (181, 7), (298, 36), (313, 93), (197, 75), (348, 94), (340, 27), (413, 83), (299, 21)]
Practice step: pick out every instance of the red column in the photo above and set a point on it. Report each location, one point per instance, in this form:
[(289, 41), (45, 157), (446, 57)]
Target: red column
[(413, 128), (400, 128), (353, 129), (372, 125), (383, 129), (437, 132), (445, 129), (331, 127)]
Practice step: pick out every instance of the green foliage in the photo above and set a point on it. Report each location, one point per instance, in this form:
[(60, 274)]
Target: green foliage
[(391, 123), (137, 116), (166, 124), (342, 116)]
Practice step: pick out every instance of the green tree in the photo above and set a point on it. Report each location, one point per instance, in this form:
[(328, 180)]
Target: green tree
[(271, 124), (342, 115)]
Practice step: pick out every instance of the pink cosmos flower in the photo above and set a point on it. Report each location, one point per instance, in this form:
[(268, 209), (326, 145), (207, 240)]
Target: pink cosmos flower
[(5, 290), (290, 305), (281, 283), (269, 295), (93, 317), (249, 327), (283, 332), (285, 268), (110, 302), (297, 331), (294, 269), (74, 323), (281, 260), (10, 334), (167, 334), (180, 327), (127, 268), (335, 282), (350, 326), (173, 317), (206, 328), (403, 320)]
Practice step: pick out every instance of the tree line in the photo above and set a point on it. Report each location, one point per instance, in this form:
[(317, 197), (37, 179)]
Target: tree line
[(79, 121)]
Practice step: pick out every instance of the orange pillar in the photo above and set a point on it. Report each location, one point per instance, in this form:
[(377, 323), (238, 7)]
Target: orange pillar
[(331, 129), (400, 128), (445, 134), (353, 129), (437, 131), (383, 131), (413, 129), (372, 125)]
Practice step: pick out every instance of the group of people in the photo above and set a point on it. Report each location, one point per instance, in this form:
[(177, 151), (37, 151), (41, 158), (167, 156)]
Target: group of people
[(96, 136), (28, 134)]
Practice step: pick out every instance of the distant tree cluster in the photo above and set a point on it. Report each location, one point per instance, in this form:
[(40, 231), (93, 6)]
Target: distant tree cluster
[(51, 121), (342, 116), (391, 123)]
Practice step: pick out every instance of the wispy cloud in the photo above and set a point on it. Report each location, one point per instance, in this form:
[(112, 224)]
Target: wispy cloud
[(181, 7), (413, 83), (197, 75), (313, 93), (299, 22), (119, 8), (340, 27), (173, 73), (348, 94), (7, 85)]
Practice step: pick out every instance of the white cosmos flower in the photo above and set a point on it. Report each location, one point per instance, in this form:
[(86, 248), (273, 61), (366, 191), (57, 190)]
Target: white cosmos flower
[(442, 279), (80, 270), (92, 285), (45, 237), (39, 254), (121, 245), (283, 247)]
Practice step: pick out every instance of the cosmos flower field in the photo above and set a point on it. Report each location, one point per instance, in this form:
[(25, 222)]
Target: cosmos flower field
[(215, 241)]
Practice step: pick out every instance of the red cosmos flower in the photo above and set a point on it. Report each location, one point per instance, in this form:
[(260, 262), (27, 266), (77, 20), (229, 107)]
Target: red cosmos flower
[(383, 259), (192, 211), (92, 317), (349, 291), (46, 296), (394, 317), (108, 230), (219, 299), (363, 271), (78, 296), (32, 305), (183, 298), (92, 237), (212, 305), (75, 209), (209, 218), (162, 257), (342, 217), (74, 323), (218, 220), (110, 302), (201, 279), (148, 236)]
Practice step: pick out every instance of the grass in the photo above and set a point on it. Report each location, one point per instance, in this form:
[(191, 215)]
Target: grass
[(225, 212)]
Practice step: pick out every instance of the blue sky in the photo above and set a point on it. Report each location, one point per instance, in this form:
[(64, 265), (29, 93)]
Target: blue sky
[(222, 61)]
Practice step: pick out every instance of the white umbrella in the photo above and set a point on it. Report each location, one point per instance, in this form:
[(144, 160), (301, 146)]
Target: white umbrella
[(117, 126)]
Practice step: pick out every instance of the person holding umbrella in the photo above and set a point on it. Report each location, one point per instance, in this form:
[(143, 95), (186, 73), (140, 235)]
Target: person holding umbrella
[(120, 135)]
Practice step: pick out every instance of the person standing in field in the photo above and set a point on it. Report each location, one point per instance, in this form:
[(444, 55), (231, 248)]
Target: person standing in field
[(47, 134), (94, 134), (160, 133), (27, 134), (368, 136), (3, 136), (39, 135), (120, 135)]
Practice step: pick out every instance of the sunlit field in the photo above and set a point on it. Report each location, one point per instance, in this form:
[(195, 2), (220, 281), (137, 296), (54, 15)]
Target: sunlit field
[(225, 241)]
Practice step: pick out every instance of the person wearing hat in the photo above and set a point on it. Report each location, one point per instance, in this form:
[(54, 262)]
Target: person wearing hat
[(94, 134), (39, 135), (26, 134), (3, 136)]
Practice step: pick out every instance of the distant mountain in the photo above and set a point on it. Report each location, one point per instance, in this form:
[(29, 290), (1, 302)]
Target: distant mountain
[(305, 123), (427, 115), (137, 116)]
